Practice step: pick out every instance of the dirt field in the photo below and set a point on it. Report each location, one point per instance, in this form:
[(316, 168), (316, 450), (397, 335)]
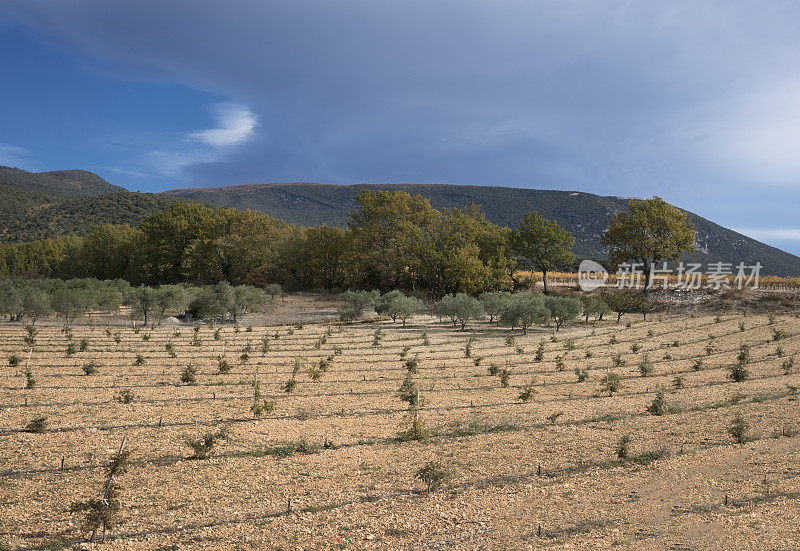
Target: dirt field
[(537, 474)]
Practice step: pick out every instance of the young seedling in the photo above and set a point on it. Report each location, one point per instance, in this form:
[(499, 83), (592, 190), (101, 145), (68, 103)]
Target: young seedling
[(539, 356), (189, 375), (611, 382), (30, 381), (526, 395), (505, 375), (788, 366), (623, 449), (125, 396), (553, 417), (582, 374), (90, 368), (139, 360), (14, 360), (738, 429), (37, 425), (434, 474), (204, 446), (645, 366)]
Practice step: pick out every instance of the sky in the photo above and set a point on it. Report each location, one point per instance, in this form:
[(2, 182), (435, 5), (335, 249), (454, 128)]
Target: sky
[(698, 103)]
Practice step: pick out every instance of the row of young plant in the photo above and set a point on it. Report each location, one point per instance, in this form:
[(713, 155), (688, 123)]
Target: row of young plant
[(35, 299), (91, 367), (646, 365), (737, 372)]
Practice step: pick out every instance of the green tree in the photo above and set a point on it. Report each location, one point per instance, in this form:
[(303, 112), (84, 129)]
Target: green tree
[(525, 309), (562, 309), (405, 308), (595, 306), (169, 297), (651, 231), (460, 308), (544, 243), (494, 303), (143, 302)]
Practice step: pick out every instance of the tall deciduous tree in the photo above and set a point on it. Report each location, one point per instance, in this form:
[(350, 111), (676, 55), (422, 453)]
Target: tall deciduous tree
[(546, 244), (651, 231)]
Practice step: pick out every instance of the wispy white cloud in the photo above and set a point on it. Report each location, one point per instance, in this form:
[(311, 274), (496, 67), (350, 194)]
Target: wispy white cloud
[(235, 125), (12, 155), (768, 234)]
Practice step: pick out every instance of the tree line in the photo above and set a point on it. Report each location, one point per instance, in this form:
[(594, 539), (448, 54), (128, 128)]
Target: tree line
[(393, 241), (34, 299)]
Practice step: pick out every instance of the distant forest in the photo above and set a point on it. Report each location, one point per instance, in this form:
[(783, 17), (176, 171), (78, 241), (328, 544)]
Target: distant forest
[(393, 241)]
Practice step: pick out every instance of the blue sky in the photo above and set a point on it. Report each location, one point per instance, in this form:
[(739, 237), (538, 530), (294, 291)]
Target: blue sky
[(697, 103)]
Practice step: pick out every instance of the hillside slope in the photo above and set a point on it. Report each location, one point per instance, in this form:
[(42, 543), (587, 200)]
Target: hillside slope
[(585, 215), (64, 183), (76, 216)]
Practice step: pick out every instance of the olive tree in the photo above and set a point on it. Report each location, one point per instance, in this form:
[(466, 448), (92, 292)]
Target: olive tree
[(461, 308), (525, 309), (494, 303), (142, 301), (356, 302), (383, 304), (170, 297), (595, 306), (405, 307), (562, 309)]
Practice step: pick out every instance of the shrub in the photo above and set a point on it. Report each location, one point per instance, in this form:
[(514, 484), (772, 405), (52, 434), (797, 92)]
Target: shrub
[(539, 356), (70, 351), (260, 406), (14, 360), (588, 354), (125, 396), (739, 428), (787, 366), (569, 344), (189, 375), (434, 474), (611, 382), (613, 340), (645, 366), (83, 346), (742, 327), (139, 360), (289, 386), (493, 369), (203, 447), (526, 395), (560, 365), (30, 381), (593, 305), (511, 341), (635, 347), (265, 345), (623, 450), (37, 425), (697, 365), (659, 405), (223, 365), (677, 382), (411, 365), (505, 375), (582, 373), (90, 368)]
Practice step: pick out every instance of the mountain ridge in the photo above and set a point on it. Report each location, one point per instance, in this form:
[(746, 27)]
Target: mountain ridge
[(48, 204)]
